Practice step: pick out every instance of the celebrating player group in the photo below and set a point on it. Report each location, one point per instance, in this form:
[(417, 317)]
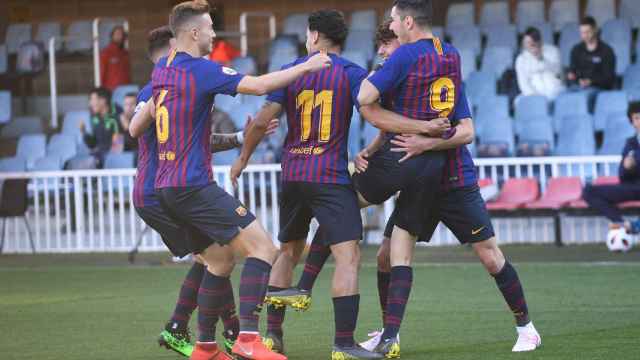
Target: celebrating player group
[(417, 101)]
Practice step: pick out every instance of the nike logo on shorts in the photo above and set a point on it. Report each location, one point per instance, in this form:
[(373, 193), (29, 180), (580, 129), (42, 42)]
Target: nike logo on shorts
[(476, 232)]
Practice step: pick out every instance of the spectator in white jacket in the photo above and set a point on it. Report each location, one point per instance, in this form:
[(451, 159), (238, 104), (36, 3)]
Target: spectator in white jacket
[(539, 67)]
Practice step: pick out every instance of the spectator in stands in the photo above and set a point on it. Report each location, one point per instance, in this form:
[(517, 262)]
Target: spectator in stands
[(604, 198), (115, 69), (593, 63), (539, 66), (104, 124), (128, 108), (223, 52)]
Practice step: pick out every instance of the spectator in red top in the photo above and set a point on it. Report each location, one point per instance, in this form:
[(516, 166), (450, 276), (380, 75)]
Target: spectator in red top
[(223, 52), (115, 69)]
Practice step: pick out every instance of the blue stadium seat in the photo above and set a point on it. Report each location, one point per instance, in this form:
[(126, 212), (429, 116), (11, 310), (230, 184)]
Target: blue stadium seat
[(355, 134), (631, 77), (369, 132), (622, 50), (495, 13), (528, 108), (3, 59), (479, 85), (105, 26), (497, 60), (363, 20), (5, 106), (601, 10), (466, 37), (119, 93), (575, 137), (31, 147), (616, 29), (566, 104), (356, 57), (634, 94), (226, 103), (63, 146), (499, 132), (16, 35), (468, 62), (563, 12), (79, 34), (72, 120), (245, 65), (502, 35), (569, 37), (284, 44), (225, 157), (280, 58), (607, 103), (12, 164), (630, 11), (460, 14), (498, 104), (361, 41), (123, 160), (253, 102), (546, 31), (537, 131), (529, 13), (47, 163), (22, 125), (296, 24), (48, 30), (240, 113), (616, 132)]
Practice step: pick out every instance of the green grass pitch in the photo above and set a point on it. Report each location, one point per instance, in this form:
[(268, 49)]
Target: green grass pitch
[(584, 301)]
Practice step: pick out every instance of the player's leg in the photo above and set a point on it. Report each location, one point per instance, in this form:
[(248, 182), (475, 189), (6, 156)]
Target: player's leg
[(317, 257)]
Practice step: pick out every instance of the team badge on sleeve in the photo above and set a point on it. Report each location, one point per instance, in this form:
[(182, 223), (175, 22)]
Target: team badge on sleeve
[(229, 71)]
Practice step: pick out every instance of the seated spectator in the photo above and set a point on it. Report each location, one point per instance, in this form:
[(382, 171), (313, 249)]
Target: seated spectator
[(104, 124), (604, 198), (593, 63), (128, 108), (539, 66), (115, 69)]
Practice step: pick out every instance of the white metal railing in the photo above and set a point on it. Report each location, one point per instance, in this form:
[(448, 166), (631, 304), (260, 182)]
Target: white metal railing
[(91, 210)]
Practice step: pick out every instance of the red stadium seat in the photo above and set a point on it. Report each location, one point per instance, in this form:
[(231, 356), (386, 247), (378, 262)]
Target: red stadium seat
[(515, 194), (485, 182), (560, 192), (602, 180)]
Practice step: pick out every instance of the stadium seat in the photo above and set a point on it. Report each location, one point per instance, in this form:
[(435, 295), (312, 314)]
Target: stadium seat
[(460, 14), (622, 51), (285, 44), (530, 106), (31, 147), (46, 31), (225, 157), (64, 146), (515, 194), (495, 13), (12, 164), (569, 37), (79, 36), (356, 57), (16, 35), (497, 60), (21, 126), (601, 10), (631, 77), (3, 59), (124, 160), (566, 104), (5, 106), (296, 24), (117, 98), (361, 41), (529, 13), (364, 20), (226, 103), (466, 37), (72, 120), (616, 131), (369, 132), (279, 59), (502, 35), (546, 31), (81, 162), (536, 132), (560, 192), (607, 103), (630, 11), (47, 163), (563, 12), (240, 113), (616, 29), (575, 137), (498, 105), (634, 94), (355, 134), (479, 85), (105, 26), (601, 180), (467, 62), (245, 65), (497, 131)]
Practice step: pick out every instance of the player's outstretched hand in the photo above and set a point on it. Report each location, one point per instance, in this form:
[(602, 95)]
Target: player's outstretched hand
[(437, 127), (360, 161), (236, 170), (318, 62), (273, 126), (412, 145)]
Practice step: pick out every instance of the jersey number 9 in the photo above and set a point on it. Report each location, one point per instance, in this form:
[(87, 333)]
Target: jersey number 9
[(443, 106)]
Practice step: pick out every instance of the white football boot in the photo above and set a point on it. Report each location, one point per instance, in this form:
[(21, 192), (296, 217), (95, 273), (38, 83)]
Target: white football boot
[(528, 338)]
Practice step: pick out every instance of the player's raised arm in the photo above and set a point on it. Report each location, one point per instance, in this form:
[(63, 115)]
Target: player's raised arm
[(224, 142), (142, 119), (261, 85)]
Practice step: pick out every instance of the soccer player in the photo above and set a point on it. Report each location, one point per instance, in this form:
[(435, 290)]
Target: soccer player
[(184, 87), (315, 178)]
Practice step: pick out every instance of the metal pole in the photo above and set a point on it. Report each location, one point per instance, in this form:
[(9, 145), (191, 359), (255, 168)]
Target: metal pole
[(53, 86), (96, 53), (244, 44)]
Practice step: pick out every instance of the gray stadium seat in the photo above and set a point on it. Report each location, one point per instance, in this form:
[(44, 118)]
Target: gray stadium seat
[(528, 13), (79, 34), (569, 37), (12, 164), (537, 131), (46, 31), (479, 85), (631, 77), (563, 12), (121, 91), (601, 10), (502, 35), (363, 20), (47, 163), (225, 157), (105, 26), (468, 62), (63, 146), (296, 24), (630, 11), (576, 136), (466, 37), (362, 41), (616, 132), (16, 35), (567, 104), (21, 126), (226, 103), (460, 14), (5, 106), (495, 13), (124, 160), (31, 147), (356, 57), (245, 65), (3, 59), (498, 104), (607, 103), (497, 60)]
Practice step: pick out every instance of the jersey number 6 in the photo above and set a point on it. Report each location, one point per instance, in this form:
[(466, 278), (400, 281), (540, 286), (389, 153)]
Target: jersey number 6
[(162, 119)]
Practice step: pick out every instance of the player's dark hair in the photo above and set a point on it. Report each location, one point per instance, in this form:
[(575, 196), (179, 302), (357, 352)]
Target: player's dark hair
[(634, 108), (331, 24), (158, 38), (384, 35), (131, 94), (420, 10), (534, 34), (101, 92), (183, 12), (589, 20)]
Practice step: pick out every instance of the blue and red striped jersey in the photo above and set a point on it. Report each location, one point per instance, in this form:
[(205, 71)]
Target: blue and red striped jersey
[(184, 89), (319, 108), (459, 170), (144, 185)]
